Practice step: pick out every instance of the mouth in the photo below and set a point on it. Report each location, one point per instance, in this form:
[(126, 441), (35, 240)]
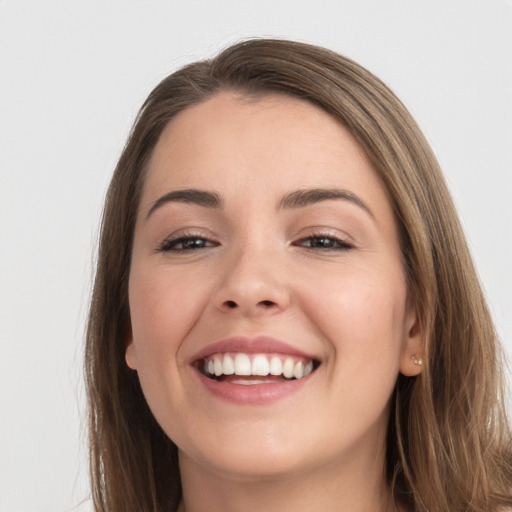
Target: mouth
[(250, 371), (255, 368)]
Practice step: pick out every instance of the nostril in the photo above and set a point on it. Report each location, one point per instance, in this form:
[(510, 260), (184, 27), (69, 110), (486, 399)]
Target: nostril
[(231, 304)]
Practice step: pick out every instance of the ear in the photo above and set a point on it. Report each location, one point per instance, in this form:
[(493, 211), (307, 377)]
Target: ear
[(130, 354), (411, 358)]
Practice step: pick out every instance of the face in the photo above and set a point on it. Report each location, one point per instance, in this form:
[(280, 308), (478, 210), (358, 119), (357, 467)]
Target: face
[(268, 302)]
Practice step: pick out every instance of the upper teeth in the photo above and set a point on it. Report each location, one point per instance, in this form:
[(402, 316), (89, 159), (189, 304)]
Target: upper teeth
[(257, 364)]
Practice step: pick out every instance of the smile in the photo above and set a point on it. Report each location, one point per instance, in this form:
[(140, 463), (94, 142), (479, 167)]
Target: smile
[(253, 371), (241, 368)]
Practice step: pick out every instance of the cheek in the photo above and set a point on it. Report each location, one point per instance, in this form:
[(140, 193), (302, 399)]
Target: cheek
[(163, 309), (361, 312)]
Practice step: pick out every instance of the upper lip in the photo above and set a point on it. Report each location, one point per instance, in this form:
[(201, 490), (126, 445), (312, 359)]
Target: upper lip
[(250, 345)]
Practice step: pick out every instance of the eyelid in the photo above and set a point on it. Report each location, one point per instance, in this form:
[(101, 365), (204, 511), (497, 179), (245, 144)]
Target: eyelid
[(340, 244), (183, 235), (324, 232)]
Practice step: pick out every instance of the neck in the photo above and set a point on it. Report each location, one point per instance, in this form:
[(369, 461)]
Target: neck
[(355, 487)]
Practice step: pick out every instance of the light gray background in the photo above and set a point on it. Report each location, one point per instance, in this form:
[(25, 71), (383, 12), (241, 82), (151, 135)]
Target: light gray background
[(73, 75)]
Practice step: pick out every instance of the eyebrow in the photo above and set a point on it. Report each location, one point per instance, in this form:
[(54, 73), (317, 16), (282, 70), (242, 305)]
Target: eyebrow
[(296, 199), (307, 197), (195, 196)]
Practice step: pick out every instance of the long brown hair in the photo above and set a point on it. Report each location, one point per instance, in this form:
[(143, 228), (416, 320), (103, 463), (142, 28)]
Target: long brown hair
[(449, 443)]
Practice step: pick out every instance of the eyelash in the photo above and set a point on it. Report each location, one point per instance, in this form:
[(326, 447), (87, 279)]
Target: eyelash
[(320, 241), (171, 244), (333, 243)]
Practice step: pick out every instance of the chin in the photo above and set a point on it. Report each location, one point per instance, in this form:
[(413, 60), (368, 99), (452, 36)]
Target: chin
[(251, 465)]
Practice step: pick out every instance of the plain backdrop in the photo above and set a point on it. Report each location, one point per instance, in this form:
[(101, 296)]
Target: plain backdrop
[(72, 77)]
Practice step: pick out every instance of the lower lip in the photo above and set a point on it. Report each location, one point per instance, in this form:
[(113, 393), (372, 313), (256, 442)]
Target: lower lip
[(253, 394)]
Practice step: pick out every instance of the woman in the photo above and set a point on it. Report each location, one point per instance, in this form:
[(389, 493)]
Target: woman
[(285, 313)]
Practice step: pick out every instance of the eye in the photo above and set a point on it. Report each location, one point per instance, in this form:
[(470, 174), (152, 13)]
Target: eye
[(186, 243), (324, 242)]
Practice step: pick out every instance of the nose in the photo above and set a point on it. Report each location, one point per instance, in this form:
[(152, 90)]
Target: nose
[(252, 285)]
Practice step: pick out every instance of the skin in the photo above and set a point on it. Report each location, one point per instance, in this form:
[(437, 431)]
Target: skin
[(262, 270)]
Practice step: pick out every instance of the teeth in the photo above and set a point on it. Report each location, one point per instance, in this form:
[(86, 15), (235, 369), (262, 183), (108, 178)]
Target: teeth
[(217, 365), (228, 367), (251, 382), (242, 365), (288, 368), (260, 365), (276, 367), (298, 371)]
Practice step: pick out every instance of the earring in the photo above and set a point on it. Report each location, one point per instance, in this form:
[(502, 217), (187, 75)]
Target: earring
[(417, 362)]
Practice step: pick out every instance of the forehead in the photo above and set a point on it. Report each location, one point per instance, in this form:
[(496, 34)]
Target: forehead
[(270, 144)]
